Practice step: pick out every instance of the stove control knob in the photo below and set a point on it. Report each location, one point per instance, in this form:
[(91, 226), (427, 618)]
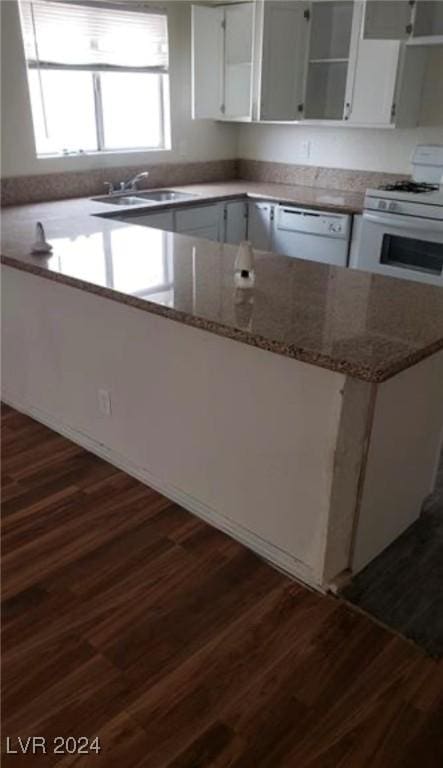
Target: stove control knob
[(392, 206), (382, 205)]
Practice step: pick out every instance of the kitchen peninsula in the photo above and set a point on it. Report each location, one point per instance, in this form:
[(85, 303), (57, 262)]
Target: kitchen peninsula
[(303, 416)]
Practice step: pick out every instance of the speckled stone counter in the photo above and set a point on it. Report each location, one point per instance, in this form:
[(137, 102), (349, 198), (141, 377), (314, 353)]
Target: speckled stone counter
[(367, 326)]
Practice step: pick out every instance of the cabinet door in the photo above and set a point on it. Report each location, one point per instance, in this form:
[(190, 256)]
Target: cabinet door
[(374, 82), (428, 20), (239, 28), (331, 25), (211, 232), (158, 220), (207, 62), (260, 225), (386, 19), (235, 222), (202, 221), (283, 59)]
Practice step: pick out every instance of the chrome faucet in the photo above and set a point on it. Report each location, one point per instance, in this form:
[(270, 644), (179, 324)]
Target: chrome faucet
[(132, 183), (126, 186)]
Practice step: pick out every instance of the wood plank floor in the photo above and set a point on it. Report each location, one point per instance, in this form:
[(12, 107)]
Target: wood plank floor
[(127, 618)]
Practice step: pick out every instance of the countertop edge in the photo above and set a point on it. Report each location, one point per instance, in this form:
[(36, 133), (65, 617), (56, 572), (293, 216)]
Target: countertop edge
[(363, 373), (344, 209)]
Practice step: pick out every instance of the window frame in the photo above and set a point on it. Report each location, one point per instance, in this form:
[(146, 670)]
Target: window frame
[(95, 72)]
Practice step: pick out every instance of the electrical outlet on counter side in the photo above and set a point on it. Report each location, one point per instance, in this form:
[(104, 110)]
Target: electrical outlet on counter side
[(104, 402), (305, 150)]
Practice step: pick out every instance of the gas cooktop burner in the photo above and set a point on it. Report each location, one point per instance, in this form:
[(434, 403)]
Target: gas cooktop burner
[(410, 186)]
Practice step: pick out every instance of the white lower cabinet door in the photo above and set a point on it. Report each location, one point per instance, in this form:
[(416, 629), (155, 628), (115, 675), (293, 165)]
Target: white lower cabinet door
[(235, 222), (260, 220), (210, 232), (201, 221), (159, 220)]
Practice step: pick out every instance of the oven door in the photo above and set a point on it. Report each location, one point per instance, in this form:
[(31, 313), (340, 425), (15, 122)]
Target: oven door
[(402, 246)]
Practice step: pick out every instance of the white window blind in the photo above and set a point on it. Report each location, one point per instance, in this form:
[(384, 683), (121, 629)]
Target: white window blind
[(94, 36)]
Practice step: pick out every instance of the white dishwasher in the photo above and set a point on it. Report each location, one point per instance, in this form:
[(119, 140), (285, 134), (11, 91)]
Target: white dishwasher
[(309, 234)]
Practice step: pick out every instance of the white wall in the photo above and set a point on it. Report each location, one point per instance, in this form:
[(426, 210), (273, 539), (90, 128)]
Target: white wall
[(356, 148), (191, 140)]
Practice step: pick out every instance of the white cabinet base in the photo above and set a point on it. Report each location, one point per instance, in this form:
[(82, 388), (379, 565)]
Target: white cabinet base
[(280, 465)]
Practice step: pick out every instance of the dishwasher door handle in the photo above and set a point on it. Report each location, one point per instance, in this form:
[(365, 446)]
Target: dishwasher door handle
[(300, 213)]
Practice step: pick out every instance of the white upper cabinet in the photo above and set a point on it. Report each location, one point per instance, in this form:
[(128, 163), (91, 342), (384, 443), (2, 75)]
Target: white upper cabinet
[(427, 22), (239, 27), (355, 62), (416, 21), (283, 53), (372, 96), (222, 54), (207, 61), (385, 78), (386, 19), (328, 59)]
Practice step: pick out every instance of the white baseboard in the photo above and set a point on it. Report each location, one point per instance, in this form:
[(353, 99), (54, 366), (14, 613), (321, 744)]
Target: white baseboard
[(277, 557)]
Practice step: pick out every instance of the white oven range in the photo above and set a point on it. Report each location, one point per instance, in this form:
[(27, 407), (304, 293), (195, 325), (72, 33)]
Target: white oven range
[(402, 224)]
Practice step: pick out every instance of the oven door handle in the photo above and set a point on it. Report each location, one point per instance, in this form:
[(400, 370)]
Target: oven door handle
[(412, 224)]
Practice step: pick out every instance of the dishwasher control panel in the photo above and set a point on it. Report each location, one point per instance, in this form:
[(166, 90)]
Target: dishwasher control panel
[(309, 221)]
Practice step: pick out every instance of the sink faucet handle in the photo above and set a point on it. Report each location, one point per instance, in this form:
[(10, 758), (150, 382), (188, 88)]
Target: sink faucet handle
[(110, 187)]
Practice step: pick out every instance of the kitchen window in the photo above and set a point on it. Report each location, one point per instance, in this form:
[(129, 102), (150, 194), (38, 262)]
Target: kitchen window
[(98, 75)]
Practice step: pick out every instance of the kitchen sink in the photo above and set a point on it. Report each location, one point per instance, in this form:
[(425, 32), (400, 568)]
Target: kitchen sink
[(119, 199), (156, 196), (163, 195)]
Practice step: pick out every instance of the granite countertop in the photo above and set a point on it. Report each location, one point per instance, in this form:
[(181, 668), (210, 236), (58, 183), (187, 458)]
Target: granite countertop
[(365, 325), (309, 197)]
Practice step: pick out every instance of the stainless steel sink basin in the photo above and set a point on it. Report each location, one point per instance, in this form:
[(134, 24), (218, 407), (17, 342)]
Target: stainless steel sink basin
[(156, 196), (119, 199), (163, 195)]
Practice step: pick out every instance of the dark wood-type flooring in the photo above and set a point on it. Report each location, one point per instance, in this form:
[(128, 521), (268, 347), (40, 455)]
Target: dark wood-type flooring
[(127, 618)]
